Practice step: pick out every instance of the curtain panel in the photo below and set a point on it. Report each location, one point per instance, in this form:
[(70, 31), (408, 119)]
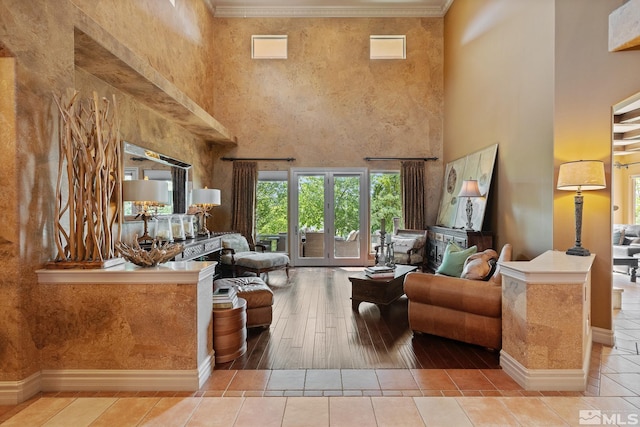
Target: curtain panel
[(413, 195), (245, 182), (179, 178)]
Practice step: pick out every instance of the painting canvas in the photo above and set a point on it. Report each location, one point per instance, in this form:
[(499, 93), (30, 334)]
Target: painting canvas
[(449, 201), (479, 166)]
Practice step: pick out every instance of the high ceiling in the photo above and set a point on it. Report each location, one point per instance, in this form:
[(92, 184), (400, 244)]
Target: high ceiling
[(330, 8)]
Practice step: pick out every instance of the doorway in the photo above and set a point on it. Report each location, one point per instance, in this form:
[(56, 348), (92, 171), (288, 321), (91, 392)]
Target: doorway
[(329, 217), (626, 216)]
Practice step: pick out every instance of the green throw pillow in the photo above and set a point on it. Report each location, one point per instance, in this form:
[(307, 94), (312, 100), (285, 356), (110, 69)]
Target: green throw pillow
[(454, 258)]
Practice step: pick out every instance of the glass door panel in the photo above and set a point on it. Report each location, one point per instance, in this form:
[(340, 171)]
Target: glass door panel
[(328, 210), (346, 218), (311, 190)]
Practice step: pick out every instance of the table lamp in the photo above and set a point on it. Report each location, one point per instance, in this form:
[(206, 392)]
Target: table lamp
[(145, 194), (469, 189), (579, 176), (204, 199)]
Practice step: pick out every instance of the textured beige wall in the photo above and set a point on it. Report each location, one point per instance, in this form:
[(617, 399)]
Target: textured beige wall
[(589, 81), (328, 104), (41, 67), (39, 38), (177, 41), (499, 89)]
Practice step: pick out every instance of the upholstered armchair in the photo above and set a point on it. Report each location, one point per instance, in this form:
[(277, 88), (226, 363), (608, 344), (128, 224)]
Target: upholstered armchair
[(239, 257), (409, 246), (349, 246)]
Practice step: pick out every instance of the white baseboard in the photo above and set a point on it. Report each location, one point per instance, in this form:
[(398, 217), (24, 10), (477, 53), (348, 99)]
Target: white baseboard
[(603, 336), (14, 392), (205, 369), (547, 379)]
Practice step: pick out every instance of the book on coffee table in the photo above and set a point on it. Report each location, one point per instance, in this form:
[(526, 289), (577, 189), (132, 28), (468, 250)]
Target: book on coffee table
[(380, 272)]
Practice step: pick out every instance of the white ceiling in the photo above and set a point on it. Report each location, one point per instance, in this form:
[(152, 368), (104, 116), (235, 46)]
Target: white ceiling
[(330, 8)]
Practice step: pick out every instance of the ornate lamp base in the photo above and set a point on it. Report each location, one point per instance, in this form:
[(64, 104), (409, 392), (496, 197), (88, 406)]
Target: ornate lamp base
[(469, 211), (577, 248), (579, 251)]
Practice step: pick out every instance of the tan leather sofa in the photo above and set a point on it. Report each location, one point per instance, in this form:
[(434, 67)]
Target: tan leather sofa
[(461, 309)]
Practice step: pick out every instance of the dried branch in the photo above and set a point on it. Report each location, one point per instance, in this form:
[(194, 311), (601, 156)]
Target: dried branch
[(158, 253), (90, 158)]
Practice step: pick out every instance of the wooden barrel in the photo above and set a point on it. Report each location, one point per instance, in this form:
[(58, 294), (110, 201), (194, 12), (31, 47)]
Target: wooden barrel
[(230, 332)]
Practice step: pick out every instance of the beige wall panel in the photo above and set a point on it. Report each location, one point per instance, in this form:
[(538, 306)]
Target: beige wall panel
[(328, 104), (176, 40), (37, 39), (499, 89)]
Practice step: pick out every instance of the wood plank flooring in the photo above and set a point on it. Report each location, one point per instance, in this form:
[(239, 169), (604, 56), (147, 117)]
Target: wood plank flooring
[(314, 327)]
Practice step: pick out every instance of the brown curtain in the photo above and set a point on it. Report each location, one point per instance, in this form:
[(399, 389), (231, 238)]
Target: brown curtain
[(245, 181), (179, 178), (413, 195)]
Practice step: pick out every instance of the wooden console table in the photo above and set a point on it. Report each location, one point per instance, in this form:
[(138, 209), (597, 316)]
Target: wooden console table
[(438, 237)]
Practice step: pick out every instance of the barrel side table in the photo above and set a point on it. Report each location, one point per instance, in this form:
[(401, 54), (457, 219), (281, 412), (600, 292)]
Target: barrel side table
[(230, 332)]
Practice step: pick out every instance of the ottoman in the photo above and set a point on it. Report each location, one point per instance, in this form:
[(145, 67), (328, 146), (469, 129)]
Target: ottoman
[(258, 295)]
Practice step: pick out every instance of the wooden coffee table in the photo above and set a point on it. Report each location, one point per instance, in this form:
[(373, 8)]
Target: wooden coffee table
[(378, 291)]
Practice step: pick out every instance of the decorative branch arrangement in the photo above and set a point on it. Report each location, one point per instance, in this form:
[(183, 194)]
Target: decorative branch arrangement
[(90, 162), (158, 253)]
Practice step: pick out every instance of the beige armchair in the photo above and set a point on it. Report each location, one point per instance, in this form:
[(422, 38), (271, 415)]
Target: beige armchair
[(238, 256), (349, 246), (409, 246)]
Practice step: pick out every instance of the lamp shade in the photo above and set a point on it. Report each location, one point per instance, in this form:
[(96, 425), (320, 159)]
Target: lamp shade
[(140, 190), (206, 196), (581, 175), (470, 189)]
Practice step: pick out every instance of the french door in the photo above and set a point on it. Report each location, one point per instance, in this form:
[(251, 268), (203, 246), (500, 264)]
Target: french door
[(329, 217)]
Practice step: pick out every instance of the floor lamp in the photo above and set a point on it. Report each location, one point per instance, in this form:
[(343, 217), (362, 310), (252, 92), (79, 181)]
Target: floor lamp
[(145, 194), (580, 176), (469, 189), (204, 199)]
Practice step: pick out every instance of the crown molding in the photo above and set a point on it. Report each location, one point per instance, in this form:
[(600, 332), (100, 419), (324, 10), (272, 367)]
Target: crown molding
[(332, 12)]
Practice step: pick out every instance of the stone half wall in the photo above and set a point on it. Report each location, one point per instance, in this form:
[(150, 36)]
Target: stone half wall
[(115, 326)]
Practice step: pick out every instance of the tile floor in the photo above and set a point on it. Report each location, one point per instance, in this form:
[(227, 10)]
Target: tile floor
[(368, 397)]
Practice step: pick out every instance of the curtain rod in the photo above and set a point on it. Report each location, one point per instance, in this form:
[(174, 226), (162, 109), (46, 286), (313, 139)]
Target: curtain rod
[(624, 165), (275, 159), (369, 159)]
